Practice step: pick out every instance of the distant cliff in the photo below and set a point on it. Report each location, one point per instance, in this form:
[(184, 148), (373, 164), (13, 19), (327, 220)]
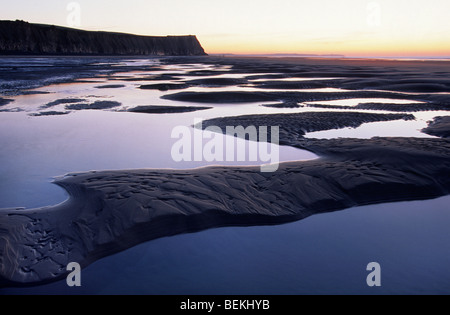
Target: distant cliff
[(22, 38)]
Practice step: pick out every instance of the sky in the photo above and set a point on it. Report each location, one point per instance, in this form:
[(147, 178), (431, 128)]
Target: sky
[(383, 28)]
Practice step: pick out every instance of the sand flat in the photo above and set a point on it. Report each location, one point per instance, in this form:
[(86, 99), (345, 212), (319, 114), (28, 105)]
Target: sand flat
[(110, 211)]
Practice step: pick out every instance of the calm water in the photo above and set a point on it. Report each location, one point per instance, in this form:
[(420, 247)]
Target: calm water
[(323, 254), (37, 149)]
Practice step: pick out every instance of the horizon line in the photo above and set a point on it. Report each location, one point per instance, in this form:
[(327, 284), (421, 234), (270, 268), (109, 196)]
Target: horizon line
[(331, 55)]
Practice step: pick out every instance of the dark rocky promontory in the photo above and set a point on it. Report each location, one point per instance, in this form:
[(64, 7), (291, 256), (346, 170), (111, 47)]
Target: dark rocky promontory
[(22, 38)]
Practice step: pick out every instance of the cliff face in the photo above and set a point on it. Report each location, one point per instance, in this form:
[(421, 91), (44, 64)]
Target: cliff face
[(18, 37)]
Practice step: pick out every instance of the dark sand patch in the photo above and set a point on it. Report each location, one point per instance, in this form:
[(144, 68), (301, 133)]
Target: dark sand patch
[(111, 86), (217, 82), (50, 113), (299, 97), (267, 76), (89, 81), (96, 105), (283, 105), (439, 127), (162, 77), (407, 108), (220, 97), (164, 86), (63, 101), (12, 110), (5, 101), (166, 109), (32, 93), (204, 73), (418, 87), (295, 85)]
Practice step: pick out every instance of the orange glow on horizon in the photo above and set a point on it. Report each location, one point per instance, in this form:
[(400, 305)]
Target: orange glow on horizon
[(346, 27), (376, 48)]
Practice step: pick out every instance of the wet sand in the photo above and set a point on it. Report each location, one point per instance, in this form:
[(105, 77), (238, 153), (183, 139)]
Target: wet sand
[(154, 109), (440, 127), (5, 101), (110, 211)]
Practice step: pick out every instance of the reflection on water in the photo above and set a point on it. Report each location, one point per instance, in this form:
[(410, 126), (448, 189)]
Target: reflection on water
[(35, 149), (323, 254), (379, 129), (356, 101)]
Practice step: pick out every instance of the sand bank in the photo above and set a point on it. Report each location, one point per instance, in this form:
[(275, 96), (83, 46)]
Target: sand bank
[(110, 211), (439, 127)]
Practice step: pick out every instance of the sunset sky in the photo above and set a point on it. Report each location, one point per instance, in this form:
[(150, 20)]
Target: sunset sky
[(349, 27)]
